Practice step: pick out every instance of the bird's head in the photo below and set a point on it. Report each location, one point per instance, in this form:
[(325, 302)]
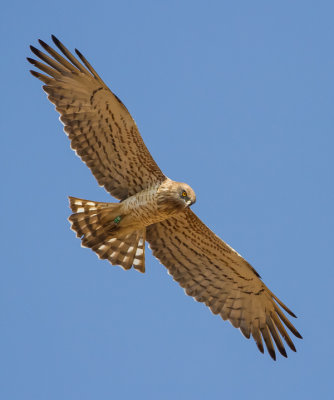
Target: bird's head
[(175, 196), (185, 193)]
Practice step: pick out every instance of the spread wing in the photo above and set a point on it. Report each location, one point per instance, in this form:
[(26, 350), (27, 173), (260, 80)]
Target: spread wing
[(213, 273), (101, 130)]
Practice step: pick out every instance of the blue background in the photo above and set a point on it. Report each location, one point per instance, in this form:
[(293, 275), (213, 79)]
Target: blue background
[(235, 98)]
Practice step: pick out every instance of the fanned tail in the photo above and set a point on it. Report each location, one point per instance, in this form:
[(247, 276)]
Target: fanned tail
[(96, 224)]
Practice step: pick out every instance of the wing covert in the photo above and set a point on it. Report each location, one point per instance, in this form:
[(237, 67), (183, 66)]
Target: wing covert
[(101, 130), (213, 273)]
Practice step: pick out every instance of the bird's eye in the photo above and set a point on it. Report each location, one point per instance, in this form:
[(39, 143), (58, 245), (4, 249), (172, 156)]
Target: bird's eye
[(184, 194)]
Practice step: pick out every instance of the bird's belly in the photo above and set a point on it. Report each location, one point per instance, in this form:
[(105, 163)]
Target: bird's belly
[(142, 209)]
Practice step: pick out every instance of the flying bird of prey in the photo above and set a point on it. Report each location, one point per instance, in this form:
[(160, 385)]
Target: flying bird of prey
[(152, 207)]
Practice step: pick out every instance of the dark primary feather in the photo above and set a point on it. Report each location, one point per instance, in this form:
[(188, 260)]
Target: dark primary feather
[(101, 130)]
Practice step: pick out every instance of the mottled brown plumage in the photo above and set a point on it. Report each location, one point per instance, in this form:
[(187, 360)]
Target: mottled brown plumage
[(152, 207)]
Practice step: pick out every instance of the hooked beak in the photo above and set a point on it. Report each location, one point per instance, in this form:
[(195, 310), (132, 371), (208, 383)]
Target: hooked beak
[(189, 203)]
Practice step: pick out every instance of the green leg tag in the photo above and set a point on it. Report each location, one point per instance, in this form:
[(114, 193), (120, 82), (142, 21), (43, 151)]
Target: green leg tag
[(117, 220)]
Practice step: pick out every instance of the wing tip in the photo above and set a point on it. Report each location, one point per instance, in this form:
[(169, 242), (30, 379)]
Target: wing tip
[(283, 352), (31, 60), (272, 354), (42, 43), (78, 52), (291, 313), (298, 335), (34, 73), (55, 40), (35, 50)]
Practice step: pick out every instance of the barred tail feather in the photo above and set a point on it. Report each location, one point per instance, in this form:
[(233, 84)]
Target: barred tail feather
[(94, 222)]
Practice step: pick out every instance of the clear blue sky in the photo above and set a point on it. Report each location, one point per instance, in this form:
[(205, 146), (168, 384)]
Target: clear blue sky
[(235, 98)]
